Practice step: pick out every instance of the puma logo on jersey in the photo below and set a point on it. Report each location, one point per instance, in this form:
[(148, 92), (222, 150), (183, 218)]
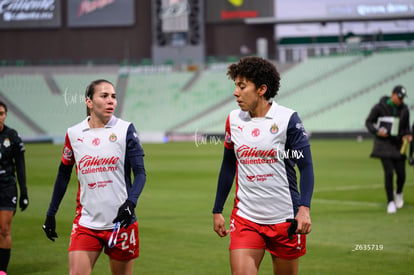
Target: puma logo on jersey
[(127, 209)]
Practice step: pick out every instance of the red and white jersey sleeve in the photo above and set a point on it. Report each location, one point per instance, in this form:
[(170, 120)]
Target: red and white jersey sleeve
[(263, 190), (67, 156), (99, 155)]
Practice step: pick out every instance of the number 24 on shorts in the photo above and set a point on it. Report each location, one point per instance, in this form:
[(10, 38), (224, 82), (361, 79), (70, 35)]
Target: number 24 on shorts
[(124, 236)]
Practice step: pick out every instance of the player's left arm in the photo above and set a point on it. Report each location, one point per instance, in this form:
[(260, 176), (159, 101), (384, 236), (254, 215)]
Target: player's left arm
[(305, 166), (135, 155), (135, 161), (224, 184), (20, 165), (298, 140)]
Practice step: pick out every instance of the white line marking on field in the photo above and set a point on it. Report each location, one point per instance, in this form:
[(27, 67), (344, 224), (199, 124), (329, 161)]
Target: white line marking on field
[(353, 203), (349, 187), (356, 187)]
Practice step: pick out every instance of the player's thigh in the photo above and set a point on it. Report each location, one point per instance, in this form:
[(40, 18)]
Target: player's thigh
[(245, 260), (121, 267), (245, 234), (285, 267), (6, 217), (279, 244), (82, 262)]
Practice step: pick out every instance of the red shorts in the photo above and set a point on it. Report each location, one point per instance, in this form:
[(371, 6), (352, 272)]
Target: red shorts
[(272, 237), (125, 249)]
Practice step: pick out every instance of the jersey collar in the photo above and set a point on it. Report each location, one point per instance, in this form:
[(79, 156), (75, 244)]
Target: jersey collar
[(270, 114), (111, 123), (272, 111)]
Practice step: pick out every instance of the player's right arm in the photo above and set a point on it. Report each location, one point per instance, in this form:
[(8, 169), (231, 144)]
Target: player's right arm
[(225, 182), (59, 190)]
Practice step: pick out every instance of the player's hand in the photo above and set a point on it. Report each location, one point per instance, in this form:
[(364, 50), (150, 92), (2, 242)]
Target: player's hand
[(304, 221), (23, 202), (125, 214), (219, 226), (382, 132), (49, 227), (408, 137)]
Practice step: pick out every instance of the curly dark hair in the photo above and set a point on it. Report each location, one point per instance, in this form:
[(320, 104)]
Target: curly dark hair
[(259, 71)]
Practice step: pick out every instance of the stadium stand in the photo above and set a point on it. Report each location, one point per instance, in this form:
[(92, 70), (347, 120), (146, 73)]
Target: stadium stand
[(331, 94), (210, 123), (17, 123), (364, 81), (313, 70), (154, 100), (350, 115), (46, 101), (371, 71), (164, 101)]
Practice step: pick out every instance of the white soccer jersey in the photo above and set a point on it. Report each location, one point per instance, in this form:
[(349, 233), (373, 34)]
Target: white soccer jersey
[(266, 191), (99, 154)]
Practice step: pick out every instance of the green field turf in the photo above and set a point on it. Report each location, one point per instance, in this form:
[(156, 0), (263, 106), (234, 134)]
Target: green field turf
[(174, 211)]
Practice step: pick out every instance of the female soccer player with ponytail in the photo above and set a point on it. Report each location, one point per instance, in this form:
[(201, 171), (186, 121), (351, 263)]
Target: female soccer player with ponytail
[(105, 149)]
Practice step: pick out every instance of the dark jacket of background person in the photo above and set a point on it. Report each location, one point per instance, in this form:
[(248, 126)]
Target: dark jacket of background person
[(388, 147)]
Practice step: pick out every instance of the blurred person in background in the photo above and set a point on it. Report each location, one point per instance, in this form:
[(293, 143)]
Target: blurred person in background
[(263, 143), (411, 150), (12, 163), (389, 121), (105, 150)]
